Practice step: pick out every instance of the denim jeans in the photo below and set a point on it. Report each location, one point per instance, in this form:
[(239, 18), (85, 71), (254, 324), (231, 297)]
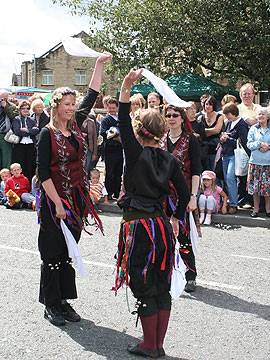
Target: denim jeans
[(228, 164)]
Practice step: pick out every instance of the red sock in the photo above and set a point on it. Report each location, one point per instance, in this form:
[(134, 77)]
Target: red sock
[(149, 326), (162, 326)]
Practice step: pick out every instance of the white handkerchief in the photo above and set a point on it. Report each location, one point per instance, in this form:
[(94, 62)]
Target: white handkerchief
[(194, 237), (73, 250), (75, 47), (162, 87), (178, 280)]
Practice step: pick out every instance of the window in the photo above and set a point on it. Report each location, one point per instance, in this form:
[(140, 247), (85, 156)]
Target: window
[(80, 77), (47, 77)]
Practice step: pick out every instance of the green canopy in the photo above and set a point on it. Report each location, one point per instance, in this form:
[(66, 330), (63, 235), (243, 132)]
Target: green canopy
[(47, 99), (189, 87)]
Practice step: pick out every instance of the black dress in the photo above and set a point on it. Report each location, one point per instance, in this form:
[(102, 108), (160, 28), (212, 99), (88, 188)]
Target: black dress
[(146, 244)]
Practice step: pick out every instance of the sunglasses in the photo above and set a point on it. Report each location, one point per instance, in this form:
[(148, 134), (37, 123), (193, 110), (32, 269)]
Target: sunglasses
[(25, 108), (172, 115)]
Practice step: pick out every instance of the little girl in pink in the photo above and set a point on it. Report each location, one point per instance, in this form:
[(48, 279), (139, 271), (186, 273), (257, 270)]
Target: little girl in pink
[(209, 200)]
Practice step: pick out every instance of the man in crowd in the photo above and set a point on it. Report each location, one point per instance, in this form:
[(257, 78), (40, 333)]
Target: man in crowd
[(113, 151), (8, 111)]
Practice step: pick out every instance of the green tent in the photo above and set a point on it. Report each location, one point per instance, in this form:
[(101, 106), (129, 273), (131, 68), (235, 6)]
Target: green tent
[(189, 87), (47, 99)]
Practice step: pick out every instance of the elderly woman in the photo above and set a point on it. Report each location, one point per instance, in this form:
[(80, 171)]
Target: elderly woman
[(24, 152), (64, 195), (258, 182), (38, 113)]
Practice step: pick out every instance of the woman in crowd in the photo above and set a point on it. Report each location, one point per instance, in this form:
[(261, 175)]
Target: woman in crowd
[(181, 143), (24, 152), (236, 129), (38, 114), (64, 195), (198, 128), (228, 99), (153, 100), (213, 123), (137, 103), (146, 245), (259, 162)]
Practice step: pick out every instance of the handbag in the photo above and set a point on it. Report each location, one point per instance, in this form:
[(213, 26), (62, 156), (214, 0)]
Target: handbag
[(241, 160), (11, 138), (178, 279)]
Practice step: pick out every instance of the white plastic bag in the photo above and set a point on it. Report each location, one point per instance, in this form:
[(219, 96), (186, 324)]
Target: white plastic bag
[(178, 280), (73, 250), (241, 160), (194, 237)]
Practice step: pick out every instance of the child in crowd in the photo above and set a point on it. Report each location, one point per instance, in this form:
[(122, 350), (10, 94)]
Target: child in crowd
[(18, 186), (97, 188), (209, 200), (5, 174)]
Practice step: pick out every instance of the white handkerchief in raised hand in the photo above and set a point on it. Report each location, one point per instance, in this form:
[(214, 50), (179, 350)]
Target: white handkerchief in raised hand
[(75, 47), (163, 88)]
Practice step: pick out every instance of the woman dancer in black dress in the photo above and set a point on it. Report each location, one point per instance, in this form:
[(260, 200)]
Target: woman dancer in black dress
[(146, 244)]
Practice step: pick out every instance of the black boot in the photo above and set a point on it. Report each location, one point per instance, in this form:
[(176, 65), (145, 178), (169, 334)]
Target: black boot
[(54, 316), (69, 313)]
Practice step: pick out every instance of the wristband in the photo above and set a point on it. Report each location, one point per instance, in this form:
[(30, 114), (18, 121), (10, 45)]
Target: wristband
[(193, 194)]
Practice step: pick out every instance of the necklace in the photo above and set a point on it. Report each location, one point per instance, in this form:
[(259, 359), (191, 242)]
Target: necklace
[(175, 137)]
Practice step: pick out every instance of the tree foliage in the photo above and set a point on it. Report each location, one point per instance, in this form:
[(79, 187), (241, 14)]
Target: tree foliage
[(232, 38)]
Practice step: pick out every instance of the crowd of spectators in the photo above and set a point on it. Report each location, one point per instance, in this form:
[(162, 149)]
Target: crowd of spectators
[(217, 127)]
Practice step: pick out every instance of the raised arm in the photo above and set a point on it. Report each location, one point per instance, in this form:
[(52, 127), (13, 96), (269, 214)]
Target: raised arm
[(94, 88), (130, 144)]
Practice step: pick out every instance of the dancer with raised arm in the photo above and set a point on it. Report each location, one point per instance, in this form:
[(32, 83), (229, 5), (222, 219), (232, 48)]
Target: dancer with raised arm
[(64, 195), (146, 244)]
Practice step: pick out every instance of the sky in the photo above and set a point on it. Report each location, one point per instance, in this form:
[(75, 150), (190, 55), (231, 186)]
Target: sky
[(35, 27)]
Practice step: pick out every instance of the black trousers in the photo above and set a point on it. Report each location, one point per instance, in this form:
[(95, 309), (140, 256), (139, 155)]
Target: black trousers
[(187, 256), (57, 281), (113, 170), (57, 278), (25, 155)]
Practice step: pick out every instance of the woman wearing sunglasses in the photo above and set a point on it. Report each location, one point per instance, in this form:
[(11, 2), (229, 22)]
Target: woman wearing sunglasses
[(24, 152), (180, 142)]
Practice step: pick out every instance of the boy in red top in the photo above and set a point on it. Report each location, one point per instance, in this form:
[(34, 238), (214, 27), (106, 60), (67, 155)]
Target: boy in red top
[(18, 184)]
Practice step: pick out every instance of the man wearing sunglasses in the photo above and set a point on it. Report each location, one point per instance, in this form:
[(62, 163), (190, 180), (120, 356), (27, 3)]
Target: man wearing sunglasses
[(8, 112)]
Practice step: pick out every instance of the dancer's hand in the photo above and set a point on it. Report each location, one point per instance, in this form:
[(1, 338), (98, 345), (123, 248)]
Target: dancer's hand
[(175, 226), (106, 56), (60, 211), (192, 205), (131, 77)]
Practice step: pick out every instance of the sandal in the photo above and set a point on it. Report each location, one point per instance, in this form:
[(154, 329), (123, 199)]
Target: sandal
[(254, 214)]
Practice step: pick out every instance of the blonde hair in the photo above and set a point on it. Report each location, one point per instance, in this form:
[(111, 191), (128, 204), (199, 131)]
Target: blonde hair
[(12, 166), (213, 186), (3, 171), (35, 103), (138, 98), (228, 99), (56, 99), (150, 124)]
